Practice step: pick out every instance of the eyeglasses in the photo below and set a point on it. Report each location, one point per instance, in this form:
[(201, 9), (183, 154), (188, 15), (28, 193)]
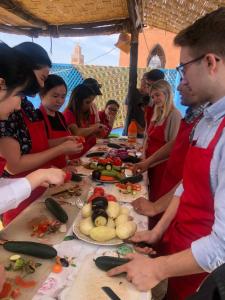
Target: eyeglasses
[(181, 68)]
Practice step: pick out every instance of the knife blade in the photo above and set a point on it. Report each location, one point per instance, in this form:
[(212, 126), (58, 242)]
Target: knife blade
[(109, 292)]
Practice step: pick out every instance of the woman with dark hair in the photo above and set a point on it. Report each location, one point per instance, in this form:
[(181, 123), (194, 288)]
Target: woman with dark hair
[(53, 96), (108, 115), (80, 115), (16, 79), (25, 132)]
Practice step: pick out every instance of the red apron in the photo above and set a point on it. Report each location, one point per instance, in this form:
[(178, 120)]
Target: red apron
[(156, 139), (195, 215), (148, 115), (60, 161), (174, 170), (39, 141)]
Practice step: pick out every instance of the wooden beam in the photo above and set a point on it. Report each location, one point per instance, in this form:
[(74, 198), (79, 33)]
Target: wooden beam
[(13, 30), (13, 7), (132, 14), (94, 24)]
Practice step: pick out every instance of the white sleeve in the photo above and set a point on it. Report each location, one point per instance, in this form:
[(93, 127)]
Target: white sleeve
[(13, 191), (179, 190)]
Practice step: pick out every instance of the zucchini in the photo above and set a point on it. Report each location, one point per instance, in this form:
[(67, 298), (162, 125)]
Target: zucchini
[(56, 209), (93, 154), (108, 167), (31, 248), (113, 145), (99, 217), (75, 177), (107, 263), (132, 179)]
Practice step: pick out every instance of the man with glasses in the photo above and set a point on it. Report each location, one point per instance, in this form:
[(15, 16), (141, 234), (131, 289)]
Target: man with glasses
[(193, 226)]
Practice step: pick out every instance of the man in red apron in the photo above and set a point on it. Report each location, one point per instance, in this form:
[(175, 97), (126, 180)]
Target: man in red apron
[(194, 223)]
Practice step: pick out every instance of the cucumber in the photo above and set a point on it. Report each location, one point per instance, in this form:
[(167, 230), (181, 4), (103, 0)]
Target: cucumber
[(31, 248), (93, 154), (56, 210), (131, 159), (132, 179), (107, 263)]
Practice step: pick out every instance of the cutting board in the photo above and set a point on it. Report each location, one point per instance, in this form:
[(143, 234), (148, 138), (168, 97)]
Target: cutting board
[(88, 283), (20, 229), (39, 275)]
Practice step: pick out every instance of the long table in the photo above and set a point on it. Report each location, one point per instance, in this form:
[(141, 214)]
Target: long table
[(60, 285)]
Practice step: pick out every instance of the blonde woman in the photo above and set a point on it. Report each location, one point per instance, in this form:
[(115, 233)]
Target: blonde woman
[(162, 130)]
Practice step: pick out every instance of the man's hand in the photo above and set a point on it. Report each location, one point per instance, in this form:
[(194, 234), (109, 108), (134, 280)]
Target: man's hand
[(141, 271), (144, 207)]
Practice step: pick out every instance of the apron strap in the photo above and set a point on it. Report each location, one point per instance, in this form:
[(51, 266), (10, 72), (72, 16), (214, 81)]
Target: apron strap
[(217, 135)]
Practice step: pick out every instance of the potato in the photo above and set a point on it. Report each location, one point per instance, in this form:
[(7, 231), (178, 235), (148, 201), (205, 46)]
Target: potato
[(113, 209), (102, 233), (126, 230), (124, 210), (86, 210), (121, 219), (111, 223), (86, 225)]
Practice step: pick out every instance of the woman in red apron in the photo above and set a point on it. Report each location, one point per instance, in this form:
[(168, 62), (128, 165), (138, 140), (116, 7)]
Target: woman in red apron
[(53, 97), (108, 115), (82, 116), (162, 129)]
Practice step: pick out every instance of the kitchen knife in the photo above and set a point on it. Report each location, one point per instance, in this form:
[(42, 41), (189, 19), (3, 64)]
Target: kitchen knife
[(110, 293)]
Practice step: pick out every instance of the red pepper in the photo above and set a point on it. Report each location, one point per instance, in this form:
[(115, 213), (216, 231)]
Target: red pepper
[(99, 190), (5, 290), (111, 198)]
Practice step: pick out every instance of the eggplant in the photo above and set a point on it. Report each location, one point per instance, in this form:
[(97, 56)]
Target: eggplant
[(99, 203), (100, 166), (96, 175), (75, 177), (99, 217), (132, 179), (107, 263)]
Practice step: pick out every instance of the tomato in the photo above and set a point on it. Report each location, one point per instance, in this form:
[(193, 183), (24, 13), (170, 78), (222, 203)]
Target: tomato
[(80, 139), (57, 268), (99, 190), (111, 198), (117, 162), (24, 283), (5, 290)]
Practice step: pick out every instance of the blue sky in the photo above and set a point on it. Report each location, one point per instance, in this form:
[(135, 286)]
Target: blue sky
[(62, 48)]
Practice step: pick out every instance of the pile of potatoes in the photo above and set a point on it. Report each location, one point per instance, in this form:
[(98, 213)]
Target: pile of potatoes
[(109, 221)]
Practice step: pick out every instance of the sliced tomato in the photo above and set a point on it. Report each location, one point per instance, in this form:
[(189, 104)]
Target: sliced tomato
[(5, 290), (111, 198), (24, 283), (68, 176), (99, 190)]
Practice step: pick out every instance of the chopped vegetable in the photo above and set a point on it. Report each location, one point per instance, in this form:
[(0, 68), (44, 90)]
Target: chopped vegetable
[(111, 198), (64, 262), (45, 227), (107, 178), (24, 283), (5, 290), (57, 268), (14, 257), (15, 293)]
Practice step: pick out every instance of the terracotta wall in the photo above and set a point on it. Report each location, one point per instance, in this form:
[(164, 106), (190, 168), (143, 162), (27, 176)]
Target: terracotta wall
[(154, 36)]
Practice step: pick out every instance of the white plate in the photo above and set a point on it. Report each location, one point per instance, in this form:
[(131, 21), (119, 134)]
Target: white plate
[(85, 238)]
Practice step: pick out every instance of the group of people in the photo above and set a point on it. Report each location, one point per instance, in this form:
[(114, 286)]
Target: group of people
[(187, 169), (184, 157)]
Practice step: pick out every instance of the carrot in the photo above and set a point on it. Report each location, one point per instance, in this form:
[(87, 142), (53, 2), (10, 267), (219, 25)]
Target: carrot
[(107, 178), (5, 290)]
